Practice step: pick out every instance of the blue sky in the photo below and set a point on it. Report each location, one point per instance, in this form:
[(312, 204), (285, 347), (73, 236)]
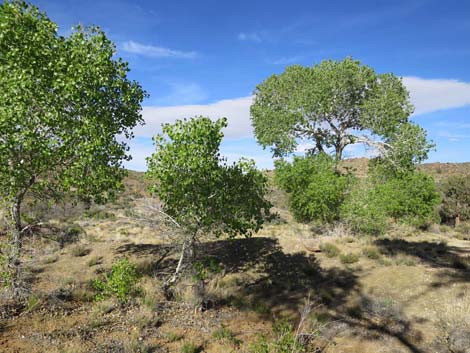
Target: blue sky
[(206, 57)]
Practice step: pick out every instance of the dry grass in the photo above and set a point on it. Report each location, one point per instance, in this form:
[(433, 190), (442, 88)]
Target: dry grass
[(423, 283)]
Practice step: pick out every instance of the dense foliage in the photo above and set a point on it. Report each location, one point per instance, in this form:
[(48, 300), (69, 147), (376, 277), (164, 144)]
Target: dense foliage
[(410, 198), (64, 102), (455, 198), (199, 190), (120, 282), (315, 186), (328, 104)]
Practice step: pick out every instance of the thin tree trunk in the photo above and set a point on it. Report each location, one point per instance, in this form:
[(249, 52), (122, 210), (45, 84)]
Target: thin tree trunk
[(16, 231), (179, 266)]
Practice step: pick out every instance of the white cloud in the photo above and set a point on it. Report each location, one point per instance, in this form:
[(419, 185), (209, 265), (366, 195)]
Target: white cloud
[(429, 95), (253, 36), (237, 111), (156, 51)]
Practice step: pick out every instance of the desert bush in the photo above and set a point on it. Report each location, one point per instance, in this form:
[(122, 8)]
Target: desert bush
[(330, 250), (284, 340), (315, 186), (411, 198), (173, 336), (120, 282), (190, 347), (226, 335), (80, 250), (349, 258), (455, 198), (371, 252), (98, 214)]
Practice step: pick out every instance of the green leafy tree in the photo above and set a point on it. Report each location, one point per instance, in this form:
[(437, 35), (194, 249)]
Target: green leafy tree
[(455, 198), (315, 186), (63, 103), (333, 104), (200, 192)]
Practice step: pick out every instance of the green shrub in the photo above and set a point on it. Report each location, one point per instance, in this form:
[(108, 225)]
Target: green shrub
[(190, 347), (330, 250), (349, 258), (455, 198), (120, 282), (206, 267), (315, 186), (227, 335), (284, 340), (173, 336), (363, 210), (410, 198)]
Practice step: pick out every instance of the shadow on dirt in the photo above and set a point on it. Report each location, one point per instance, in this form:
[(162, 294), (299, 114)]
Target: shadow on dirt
[(451, 260), (282, 282)]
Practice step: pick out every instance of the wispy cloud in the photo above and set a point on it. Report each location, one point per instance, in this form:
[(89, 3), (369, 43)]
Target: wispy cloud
[(156, 51), (251, 36), (287, 60), (181, 93)]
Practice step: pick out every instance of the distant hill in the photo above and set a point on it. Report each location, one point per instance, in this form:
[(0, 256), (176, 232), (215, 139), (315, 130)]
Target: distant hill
[(438, 170), (136, 184)]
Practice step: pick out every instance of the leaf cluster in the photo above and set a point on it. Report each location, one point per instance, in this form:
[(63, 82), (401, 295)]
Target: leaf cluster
[(315, 186), (63, 103), (198, 188)]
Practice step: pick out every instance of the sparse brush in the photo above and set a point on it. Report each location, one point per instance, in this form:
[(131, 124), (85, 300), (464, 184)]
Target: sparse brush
[(173, 336), (227, 335), (80, 250), (146, 318), (330, 250), (190, 347), (371, 252), (96, 260), (50, 259), (349, 258)]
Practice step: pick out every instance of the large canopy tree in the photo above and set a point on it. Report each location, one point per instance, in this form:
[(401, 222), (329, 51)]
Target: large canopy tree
[(66, 106), (332, 104)]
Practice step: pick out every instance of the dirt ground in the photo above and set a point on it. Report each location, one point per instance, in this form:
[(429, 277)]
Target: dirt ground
[(404, 292)]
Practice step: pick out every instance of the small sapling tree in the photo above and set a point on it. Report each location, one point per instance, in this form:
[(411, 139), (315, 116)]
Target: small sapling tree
[(63, 103), (201, 193)]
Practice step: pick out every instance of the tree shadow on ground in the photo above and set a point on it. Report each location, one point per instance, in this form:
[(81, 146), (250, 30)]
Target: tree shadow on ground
[(450, 259), (283, 281)]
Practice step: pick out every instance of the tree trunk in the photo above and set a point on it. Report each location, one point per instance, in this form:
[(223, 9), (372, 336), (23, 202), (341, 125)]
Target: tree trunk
[(17, 227), (179, 266)]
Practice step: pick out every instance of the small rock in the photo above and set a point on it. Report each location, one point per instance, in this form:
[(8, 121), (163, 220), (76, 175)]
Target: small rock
[(459, 340)]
